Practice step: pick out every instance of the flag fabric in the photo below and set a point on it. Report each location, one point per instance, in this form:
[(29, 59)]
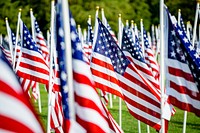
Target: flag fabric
[(40, 40), (183, 69), (150, 58), (89, 110), (102, 70), (31, 64), (138, 92), (6, 50), (16, 112)]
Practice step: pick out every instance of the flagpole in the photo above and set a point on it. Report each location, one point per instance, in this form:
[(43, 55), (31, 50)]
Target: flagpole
[(52, 41), (195, 23), (185, 121), (68, 54), (17, 38), (105, 23), (120, 41), (33, 35), (179, 17), (162, 76), (187, 30), (142, 35)]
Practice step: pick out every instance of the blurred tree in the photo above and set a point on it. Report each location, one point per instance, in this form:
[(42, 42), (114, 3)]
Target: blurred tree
[(129, 9)]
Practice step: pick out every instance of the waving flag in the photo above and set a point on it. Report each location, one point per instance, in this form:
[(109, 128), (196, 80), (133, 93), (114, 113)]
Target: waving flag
[(150, 58), (16, 112), (183, 69), (140, 96), (31, 64), (40, 40), (6, 50)]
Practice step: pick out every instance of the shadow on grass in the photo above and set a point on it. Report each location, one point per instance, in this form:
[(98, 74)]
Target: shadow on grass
[(188, 124)]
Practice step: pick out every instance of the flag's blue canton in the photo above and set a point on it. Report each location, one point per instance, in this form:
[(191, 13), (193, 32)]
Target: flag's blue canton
[(128, 45), (13, 38), (146, 41), (37, 27), (28, 42), (90, 33), (182, 24), (75, 41), (180, 48), (61, 48), (106, 45)]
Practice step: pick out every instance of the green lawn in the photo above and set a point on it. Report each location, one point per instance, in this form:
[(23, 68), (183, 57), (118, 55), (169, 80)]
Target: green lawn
[(129, 123)]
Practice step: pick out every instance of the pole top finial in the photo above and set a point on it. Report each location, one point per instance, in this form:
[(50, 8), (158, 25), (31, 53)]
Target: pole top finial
[(179, 10), (20, 9), (132, 21), (79, 26), (141, 20), (89, 16), (6, 18), (97, 7), (102, 9), (119, 15), (31, 9)]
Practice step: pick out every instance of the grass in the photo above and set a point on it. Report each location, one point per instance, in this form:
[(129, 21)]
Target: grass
[(129, 123)]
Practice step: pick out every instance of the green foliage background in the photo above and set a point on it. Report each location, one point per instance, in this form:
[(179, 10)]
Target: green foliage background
[(148, 10)]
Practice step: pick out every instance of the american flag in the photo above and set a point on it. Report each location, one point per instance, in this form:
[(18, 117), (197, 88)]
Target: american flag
[(17, 113), (102, 69), (137, 91), (145, 96), (87, 100), (31, 62), (150, 58), (6, 50), (40, 41), (183, 70)]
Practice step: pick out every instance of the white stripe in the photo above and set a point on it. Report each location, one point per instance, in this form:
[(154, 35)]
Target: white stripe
[(139, 100), (178, 65), (16, 110), (34, 63), (182, 82), (184, 98), (143, 114), (33, 73), (87, 92), (82, 68), (8, 75), (92, 116), (4, 131)]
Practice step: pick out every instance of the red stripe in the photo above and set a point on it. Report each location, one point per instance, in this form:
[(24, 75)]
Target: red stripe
[(184, 106), (88, 126), (34, 68), (139, 94), (32, 77), (34, 58), (185, 90), (147, 121), (12, 125), (102, 63), (144, 84), (180, 73)]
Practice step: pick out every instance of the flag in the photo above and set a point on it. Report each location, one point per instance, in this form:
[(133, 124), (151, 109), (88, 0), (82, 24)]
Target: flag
[(183, 69), (6, 50), (102, 70), (150, 58), (31, 64), (40, 40), (137, 91), (16, 112)]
